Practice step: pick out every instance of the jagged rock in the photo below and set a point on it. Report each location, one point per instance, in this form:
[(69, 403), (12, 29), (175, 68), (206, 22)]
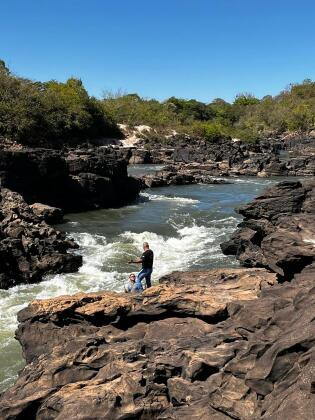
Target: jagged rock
[(278, 230), (222, 157), (29, 247), (269, 157), (50, 214), (140, 156)]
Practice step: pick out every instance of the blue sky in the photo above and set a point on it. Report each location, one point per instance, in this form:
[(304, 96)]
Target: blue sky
[(187, 48)]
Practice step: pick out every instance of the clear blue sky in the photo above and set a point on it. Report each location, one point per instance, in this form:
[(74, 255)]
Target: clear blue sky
[(158, 48)]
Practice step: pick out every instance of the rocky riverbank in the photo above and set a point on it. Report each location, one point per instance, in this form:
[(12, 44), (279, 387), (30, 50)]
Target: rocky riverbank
[(278, 231), (29, 247), (221, 344)]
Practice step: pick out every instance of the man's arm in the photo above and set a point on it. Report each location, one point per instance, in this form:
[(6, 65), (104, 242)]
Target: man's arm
[(137, 261)]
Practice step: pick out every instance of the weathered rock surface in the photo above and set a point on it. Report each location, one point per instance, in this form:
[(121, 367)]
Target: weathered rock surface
[(278, 231), (29, 247), (52, 215), (211, 345), (165, 356)]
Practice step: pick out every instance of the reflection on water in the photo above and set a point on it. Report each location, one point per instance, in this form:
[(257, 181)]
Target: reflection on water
[(183, 224)]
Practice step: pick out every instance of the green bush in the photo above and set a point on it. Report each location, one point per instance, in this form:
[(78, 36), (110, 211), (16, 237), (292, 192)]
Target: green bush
[(51, 112), (247, 118)]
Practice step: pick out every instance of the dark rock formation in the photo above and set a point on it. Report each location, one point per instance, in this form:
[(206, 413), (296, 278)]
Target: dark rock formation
[(278, 230), (181, 175), (74, 181), (298, 143), (233, 155), (29, 247), (52, 182), (51, 215), (140, 156), (271, 157)]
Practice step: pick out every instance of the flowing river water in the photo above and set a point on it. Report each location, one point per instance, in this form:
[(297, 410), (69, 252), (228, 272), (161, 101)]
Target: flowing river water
[(183, 224)]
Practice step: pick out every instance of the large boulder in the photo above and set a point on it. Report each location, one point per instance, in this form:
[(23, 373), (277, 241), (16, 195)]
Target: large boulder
[(29, 247), (50, 214)]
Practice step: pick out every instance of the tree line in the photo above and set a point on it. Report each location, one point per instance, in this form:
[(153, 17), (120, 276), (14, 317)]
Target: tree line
[(35, 113)]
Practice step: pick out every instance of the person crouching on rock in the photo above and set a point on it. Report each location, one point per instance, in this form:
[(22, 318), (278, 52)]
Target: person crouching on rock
[(146, 260), (132, 286)]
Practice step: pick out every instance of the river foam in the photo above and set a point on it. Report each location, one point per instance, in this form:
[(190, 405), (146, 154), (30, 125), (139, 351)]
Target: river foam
[(103, 269), (161, 197)]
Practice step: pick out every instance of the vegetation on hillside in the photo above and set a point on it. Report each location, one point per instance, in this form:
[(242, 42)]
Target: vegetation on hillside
[(54, 112), (248, 118)]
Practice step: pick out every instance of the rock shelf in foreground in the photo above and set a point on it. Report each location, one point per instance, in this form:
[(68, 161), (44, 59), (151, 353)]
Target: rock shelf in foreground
[(153, 355), (218, 344)]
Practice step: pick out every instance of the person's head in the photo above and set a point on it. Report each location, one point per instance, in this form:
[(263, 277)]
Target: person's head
[(132, 277), (145, 246)]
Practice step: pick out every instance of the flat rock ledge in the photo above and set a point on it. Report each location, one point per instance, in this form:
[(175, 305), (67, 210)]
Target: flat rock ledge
[(216, 344)]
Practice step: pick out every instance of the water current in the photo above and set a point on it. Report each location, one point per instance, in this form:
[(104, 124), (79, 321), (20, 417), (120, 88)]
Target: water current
[(184, 226)]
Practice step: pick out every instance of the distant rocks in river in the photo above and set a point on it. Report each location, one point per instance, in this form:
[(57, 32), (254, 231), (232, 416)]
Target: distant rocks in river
[(225, 156), (181, 175)]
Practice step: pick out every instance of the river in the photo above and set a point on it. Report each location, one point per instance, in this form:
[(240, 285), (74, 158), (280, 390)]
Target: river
[(184, 226)]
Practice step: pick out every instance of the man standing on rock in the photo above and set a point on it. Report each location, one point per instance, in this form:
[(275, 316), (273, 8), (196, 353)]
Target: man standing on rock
[(146, 260)]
